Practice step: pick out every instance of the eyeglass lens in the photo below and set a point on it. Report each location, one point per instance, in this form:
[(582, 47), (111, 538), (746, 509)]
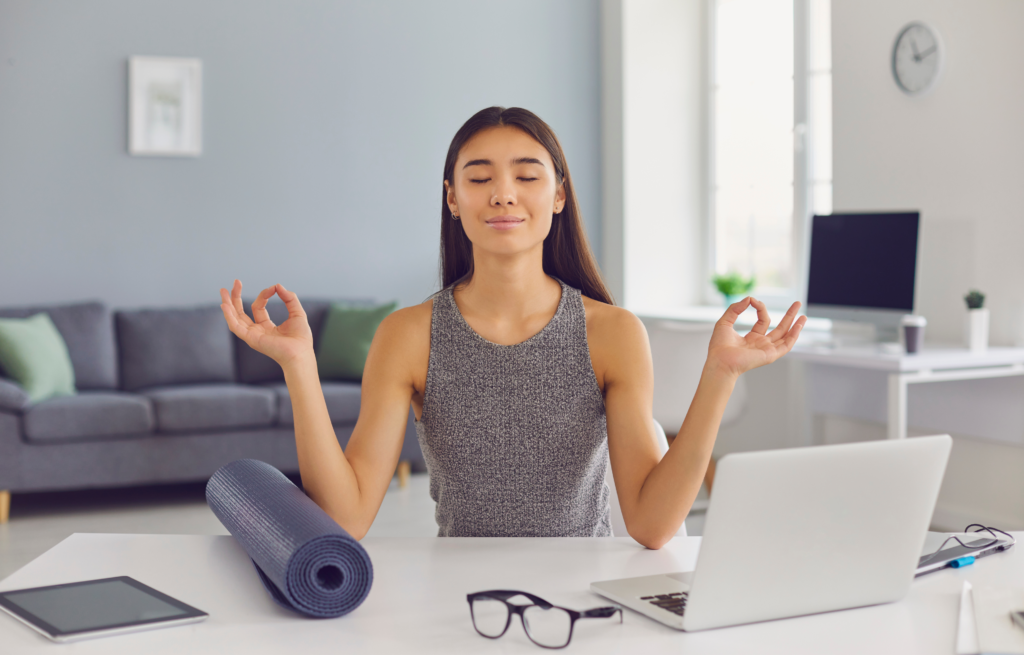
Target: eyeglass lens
[(548, 627), (490, 616)]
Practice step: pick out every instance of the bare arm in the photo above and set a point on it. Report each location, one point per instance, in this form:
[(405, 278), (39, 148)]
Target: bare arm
[(349, 488), (656, 493)]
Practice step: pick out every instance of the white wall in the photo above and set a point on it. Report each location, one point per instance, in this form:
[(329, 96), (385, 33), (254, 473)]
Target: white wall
[(326, 124), (955, 154), (655, 53)]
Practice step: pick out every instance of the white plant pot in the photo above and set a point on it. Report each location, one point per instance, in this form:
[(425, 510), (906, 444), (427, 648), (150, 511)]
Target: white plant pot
[(977, 330)]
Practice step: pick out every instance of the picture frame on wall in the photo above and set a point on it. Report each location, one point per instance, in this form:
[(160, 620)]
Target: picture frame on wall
[(165, 106)]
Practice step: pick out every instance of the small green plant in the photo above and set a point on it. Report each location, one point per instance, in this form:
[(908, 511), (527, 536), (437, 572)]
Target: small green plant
[(975, 299), (732, 284)]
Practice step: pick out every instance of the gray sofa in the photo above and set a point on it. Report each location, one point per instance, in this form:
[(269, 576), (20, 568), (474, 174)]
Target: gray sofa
[(166, 395)]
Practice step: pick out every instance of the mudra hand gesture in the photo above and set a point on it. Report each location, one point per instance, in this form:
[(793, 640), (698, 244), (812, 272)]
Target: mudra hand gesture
[(283, 343), (734, 354)]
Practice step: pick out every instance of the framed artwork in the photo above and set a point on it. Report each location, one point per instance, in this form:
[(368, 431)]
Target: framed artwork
[(165, 106)]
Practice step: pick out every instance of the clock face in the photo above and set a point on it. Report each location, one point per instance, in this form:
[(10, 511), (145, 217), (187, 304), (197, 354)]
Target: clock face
[(917, 58)]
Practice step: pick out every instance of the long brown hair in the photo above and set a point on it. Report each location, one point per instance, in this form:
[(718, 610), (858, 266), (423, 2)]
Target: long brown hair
[(567, 254)]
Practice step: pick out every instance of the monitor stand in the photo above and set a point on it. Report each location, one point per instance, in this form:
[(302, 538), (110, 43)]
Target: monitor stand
[(861, 334)]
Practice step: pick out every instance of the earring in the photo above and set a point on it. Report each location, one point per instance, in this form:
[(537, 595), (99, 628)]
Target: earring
[(454, 215)]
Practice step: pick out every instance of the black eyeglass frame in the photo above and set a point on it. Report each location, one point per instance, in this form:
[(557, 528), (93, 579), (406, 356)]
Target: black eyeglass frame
[(514, 608)]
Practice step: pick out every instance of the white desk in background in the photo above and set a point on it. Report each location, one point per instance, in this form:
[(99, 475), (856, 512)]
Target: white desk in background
[(932, 365), (418, 600)]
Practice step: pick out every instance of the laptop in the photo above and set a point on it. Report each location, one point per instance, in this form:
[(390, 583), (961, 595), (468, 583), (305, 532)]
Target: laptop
[(801, 531)]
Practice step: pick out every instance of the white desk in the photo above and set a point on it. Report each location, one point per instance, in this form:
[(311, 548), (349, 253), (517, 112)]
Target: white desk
[(418, 600), (931, 365)]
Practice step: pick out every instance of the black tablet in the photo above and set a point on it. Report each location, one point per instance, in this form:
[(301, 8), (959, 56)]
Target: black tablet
[(96, 608)]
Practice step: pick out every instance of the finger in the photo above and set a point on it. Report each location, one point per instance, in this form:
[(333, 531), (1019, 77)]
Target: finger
[(787, 321), (236, 302), (790, 339), (259, 306), (291, 301), (228, 306), (763, 320), (734, 311), (230, 316)]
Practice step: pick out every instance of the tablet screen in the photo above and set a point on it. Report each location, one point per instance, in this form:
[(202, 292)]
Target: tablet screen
[(95, 605)]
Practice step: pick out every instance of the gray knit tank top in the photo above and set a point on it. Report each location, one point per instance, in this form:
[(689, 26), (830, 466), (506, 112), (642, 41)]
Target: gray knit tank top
[(515, 437)]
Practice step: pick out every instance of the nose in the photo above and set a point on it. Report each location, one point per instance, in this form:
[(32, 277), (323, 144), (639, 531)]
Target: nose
[(504, 193)]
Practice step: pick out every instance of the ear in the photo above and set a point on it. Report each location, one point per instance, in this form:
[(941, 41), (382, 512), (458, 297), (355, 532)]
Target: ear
[(453, 206), (559, 198)]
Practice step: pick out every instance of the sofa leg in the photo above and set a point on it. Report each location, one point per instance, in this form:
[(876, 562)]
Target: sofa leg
[(404, 469), (5, 505)]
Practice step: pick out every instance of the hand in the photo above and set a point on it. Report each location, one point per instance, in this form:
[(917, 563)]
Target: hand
[(734, 354), (283, 343)]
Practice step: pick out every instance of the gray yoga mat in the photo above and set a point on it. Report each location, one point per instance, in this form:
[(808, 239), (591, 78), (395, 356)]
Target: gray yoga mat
[(306, 561)]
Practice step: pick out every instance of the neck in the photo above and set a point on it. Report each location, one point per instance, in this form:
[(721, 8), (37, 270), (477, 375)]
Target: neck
[(509, 285)]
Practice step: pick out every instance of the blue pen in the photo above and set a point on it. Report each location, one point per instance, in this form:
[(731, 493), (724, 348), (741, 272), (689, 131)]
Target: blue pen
[(961, 562)]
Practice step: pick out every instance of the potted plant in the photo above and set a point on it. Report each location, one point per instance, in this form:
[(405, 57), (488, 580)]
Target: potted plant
[(977, 321), (733, 286)]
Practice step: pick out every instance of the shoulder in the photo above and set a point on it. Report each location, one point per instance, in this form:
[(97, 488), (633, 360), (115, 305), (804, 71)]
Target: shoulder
[(407, 324), (610, 323), (618, 343), (401, 345)]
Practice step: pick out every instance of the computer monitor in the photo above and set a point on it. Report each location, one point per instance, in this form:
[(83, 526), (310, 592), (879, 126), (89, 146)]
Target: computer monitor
[(862, 268)]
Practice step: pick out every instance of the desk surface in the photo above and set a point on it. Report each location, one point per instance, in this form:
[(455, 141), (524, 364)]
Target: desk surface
[(418, 601), (932, 358)]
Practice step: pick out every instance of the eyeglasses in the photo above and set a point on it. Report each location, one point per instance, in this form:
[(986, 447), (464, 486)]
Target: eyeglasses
[(547, 625)]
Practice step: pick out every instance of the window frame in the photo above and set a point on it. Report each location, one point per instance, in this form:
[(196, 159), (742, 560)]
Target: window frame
[(804, 132)]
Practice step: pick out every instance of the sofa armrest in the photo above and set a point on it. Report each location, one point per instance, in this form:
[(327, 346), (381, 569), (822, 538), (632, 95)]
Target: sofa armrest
[(12, 397), (10, 450)]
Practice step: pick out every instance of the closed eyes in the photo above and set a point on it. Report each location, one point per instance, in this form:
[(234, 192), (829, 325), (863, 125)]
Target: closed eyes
[(487, 179)]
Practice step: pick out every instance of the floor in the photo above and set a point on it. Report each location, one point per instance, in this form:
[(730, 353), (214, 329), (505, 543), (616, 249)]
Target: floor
[(40, 521)]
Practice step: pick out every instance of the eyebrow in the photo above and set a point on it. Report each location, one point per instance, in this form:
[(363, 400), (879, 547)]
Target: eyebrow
[(517, 160)]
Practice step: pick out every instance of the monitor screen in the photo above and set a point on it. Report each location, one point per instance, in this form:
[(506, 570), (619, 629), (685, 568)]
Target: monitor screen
[(863, 260)]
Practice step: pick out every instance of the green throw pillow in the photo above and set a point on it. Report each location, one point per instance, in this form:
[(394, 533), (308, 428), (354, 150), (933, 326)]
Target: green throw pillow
[(345, 342), (33, 353)]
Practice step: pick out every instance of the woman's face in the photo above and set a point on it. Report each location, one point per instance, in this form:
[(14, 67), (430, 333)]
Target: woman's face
[(505, 191)]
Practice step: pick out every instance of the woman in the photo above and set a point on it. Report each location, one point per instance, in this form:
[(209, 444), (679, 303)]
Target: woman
[(523, 376)]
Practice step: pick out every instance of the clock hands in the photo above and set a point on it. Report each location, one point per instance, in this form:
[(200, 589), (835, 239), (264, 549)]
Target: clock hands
[(913, 46), (926, 53)]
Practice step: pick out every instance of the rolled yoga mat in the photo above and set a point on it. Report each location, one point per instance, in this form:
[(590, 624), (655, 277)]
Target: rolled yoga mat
[(306, 561)]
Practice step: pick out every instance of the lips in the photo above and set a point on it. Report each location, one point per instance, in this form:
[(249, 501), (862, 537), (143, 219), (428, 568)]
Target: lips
[(505, 222)]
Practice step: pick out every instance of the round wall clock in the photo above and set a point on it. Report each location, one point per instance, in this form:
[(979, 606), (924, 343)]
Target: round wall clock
[(917, 58)]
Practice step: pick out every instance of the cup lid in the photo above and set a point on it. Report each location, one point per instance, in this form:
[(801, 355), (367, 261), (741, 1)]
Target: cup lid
[(914, 321)]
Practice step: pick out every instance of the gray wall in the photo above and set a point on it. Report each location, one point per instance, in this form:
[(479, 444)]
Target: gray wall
[(325, 130)]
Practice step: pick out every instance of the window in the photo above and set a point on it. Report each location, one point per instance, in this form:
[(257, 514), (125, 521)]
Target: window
[(770, 138)]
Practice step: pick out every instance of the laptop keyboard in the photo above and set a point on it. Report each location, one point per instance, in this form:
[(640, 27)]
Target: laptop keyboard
[(675, 603)]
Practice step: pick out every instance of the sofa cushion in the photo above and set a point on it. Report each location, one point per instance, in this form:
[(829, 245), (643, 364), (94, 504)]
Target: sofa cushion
[(342, 400), (212, 407), (88, 331), (12, 397), (161, 347), (88, 416)]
